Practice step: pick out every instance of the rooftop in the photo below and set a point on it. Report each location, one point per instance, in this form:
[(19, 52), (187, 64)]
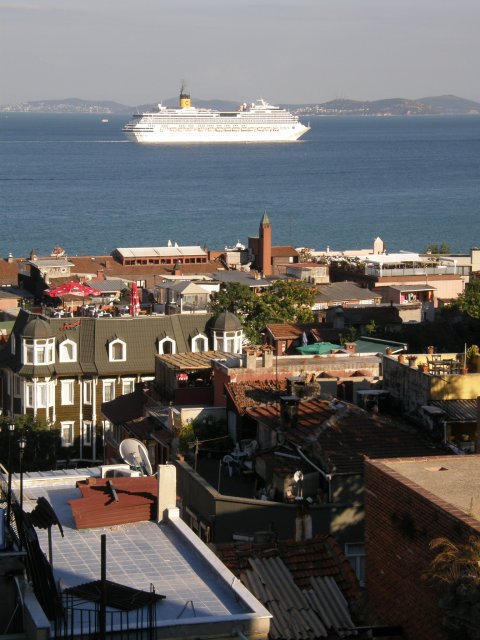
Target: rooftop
[(146, 252), (454, 479), (168, 556)]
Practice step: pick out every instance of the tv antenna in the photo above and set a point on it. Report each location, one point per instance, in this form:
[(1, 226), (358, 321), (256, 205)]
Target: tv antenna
[(135, 454)]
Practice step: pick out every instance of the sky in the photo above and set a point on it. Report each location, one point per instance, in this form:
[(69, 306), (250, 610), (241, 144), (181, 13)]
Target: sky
[(286, 51)]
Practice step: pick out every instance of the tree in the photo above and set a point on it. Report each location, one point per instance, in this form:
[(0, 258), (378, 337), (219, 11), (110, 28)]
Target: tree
[(284, 301), (456, 567), (437, 249), (469, 300), (42, 440)]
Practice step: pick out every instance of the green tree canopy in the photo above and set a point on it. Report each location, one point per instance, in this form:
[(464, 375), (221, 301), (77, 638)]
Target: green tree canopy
[(40, 449), (438, 249), (284, 301), (469, 300)]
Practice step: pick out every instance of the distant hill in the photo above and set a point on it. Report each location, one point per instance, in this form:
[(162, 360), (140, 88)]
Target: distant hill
[(452, 104), (435, 105), (439, 105)]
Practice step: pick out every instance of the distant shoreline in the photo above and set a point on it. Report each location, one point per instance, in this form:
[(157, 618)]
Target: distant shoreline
[(434, 106)]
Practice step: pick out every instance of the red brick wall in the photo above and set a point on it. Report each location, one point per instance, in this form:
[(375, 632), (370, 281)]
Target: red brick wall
[(400, 521)]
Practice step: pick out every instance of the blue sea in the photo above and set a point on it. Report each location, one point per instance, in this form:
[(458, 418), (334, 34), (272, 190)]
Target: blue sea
[(75, 181)]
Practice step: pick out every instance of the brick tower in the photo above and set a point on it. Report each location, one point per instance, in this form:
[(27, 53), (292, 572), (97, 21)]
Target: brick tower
[(264, 262)]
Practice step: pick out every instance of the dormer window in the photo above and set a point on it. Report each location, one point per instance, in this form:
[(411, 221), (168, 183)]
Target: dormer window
[(38, 351), (167, 345), (67, 351), (199, 343), (117, 351)]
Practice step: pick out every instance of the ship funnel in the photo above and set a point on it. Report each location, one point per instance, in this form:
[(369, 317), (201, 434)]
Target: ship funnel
[(184, 99)]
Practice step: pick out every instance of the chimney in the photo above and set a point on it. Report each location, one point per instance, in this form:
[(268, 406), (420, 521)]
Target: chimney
[(167, 492), (303, 522), (295, 385), (289, 412), (251, 359), (351, 347), (267, 358)]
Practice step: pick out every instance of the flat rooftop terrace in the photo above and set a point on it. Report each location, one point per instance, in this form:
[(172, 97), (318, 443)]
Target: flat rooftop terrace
[(199, 589), (454, 479)]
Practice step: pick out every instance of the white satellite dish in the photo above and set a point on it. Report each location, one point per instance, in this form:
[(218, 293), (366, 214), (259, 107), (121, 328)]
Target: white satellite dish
[(135, 454), (298, 476)]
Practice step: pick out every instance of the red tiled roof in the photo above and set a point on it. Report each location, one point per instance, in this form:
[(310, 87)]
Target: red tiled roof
[(341, 435), (284, 252), (285, 331), (250, 394)]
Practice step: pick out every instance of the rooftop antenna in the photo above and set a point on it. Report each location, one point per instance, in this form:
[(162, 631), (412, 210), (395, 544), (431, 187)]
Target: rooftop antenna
[(135, 454)]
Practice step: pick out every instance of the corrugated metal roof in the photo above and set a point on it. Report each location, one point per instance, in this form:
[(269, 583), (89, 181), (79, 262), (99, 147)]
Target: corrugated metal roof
[(458, 410), (298, 614)]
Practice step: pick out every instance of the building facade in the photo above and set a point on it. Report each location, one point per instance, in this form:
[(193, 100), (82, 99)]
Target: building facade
[(61, 370)]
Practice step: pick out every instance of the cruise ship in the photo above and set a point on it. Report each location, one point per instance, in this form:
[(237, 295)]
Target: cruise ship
[(255, 122)]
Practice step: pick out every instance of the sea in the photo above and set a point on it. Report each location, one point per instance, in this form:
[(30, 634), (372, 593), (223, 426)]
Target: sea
[(74, 181)]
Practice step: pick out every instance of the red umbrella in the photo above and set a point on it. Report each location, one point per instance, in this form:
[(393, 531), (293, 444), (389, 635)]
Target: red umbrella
[(72, 289), (134, 300)]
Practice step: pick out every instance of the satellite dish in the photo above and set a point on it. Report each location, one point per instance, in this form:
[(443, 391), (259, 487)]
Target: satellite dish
[(298, 476), (135, 454)]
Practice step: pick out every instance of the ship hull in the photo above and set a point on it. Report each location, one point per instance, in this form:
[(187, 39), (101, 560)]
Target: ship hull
[(191, 136)]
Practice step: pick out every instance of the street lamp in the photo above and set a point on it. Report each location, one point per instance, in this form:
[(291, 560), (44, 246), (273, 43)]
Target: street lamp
[(22, 443), (11, 429)]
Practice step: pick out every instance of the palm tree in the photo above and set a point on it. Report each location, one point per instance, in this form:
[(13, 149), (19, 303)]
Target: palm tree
[(457, 567)]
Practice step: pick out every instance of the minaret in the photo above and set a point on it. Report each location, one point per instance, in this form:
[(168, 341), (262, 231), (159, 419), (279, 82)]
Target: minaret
[(264, 262)]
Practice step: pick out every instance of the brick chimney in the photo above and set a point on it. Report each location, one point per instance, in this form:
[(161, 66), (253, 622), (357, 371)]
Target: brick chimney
[(351, 347)]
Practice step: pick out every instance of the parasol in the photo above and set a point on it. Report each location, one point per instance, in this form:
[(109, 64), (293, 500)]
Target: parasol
[(72, 289), (134, 300)]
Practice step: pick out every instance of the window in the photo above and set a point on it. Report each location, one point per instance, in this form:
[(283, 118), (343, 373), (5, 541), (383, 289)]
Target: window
[(38, 351), (355, 553), (87, 392), (66, 433), (199, 343), (17, 386), (67, 387), (117, 351), (67, 351), (29, 394), (141, 283), (108, 390), (87, 433), (42, 395), (12, 343), (167, 345), (128, 386)]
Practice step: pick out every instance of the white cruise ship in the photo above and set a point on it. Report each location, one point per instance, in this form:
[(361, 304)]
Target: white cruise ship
[(257, 122)]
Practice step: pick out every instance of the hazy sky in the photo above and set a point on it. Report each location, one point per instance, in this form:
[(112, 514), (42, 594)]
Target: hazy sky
[(138, 51)]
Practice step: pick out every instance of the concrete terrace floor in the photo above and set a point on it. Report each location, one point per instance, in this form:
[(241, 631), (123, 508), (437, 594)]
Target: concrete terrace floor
[(138, 555)]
